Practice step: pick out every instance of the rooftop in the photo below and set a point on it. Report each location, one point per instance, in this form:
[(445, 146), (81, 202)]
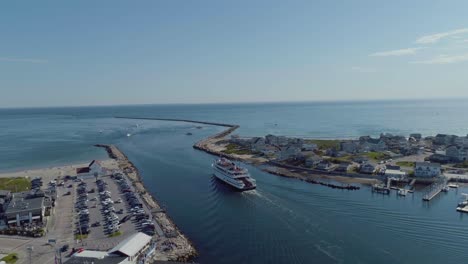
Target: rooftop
[(19, 204), (131, 245)]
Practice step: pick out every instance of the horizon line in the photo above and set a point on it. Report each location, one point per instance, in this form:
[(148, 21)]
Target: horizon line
[(246, 103)]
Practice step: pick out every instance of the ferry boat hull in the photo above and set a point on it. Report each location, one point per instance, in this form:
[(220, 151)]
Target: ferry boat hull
[(233, 175), (226, 180)]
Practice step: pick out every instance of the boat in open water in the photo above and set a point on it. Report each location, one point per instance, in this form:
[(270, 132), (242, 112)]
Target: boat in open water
[(234, 175)]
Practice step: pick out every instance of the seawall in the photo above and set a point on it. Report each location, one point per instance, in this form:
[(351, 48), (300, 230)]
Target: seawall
[(174, 246)]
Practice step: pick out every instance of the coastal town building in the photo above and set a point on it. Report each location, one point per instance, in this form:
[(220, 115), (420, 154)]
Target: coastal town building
[(92, 170), (343, 167), (367, 168), (312, 161), (456, 153), (324, 165), (351, 146), (24, 208), (372, 144), (416, 136), (288, 152), (427, 169), (309, 147), (395, 173), (137, 248)]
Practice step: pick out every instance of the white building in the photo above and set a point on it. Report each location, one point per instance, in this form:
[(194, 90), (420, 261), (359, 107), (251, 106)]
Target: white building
[(426, 169), (136, 248), (395, 173), (92, 170)]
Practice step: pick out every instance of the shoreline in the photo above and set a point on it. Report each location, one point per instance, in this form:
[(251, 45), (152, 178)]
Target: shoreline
[(208, 145), (184, 250)]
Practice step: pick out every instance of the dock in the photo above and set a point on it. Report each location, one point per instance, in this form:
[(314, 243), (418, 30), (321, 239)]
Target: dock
[(434, 189)]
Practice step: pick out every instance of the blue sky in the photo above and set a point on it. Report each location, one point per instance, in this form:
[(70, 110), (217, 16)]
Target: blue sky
[(55, 53)]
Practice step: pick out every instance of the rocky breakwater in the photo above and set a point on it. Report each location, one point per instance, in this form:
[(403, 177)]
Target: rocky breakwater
[(172, 244), (209, 144)]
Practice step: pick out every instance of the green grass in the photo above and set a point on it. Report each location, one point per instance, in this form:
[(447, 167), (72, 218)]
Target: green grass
[(325, 143), (10, 258), (80, 237), (376, 155), (348, 158), (405, 163), (463, 165), (118, 233), (18, 184), (236, 149)]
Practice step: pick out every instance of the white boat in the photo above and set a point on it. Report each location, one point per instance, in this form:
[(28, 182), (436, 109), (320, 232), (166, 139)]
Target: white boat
[(128, 135), (453, 185), (234, 175), (445, 189), (402, 192)]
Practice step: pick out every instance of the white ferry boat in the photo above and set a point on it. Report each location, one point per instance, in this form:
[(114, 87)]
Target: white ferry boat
[(230, 173)]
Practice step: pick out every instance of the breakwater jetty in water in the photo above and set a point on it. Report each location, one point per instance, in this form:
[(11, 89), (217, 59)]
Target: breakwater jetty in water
[(177, 120), (173, 245)]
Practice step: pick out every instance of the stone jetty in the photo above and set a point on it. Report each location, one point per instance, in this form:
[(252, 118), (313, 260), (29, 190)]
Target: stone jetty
[(173, 245)]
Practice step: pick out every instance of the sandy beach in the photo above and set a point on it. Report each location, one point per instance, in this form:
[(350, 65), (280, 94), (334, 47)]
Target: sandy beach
[(47, 174)]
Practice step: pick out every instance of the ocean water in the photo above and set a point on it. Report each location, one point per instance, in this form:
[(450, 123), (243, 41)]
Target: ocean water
[(284, 220)]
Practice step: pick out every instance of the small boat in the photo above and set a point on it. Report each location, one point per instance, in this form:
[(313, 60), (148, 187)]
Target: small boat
[(465, 200), (380, 188), (100, 131), (129, 135), (188, 134), (453, 185), (402, 192), (445, 188)]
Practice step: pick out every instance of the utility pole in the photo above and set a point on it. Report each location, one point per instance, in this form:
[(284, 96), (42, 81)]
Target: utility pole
[(30, 250)]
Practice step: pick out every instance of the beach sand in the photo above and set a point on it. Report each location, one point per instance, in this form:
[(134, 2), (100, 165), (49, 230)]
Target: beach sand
[(47, 174)]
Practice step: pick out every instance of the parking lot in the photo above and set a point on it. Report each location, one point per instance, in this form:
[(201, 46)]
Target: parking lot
[(108, 211)]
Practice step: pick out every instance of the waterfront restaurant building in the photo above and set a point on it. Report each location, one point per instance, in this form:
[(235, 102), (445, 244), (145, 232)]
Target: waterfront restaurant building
[(23, 210)]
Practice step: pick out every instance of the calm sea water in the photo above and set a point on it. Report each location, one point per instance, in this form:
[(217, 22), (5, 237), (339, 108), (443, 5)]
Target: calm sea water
[(284, 220)]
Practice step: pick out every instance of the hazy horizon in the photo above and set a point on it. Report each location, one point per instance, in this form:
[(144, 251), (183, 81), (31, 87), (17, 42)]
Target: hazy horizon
[(104, 53)]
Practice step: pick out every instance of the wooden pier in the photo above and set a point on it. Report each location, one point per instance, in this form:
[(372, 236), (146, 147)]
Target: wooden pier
[(434, 189)]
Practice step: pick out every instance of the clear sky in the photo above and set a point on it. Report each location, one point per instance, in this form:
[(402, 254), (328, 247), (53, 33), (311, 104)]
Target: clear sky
[(55, 53)]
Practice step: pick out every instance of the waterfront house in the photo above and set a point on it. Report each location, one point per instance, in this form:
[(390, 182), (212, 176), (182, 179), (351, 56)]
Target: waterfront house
[(367, 168), (92, 170), (443, 139), (461, 142), (416, 136), (288, 152), (427, 169), (313, 161), (257, 144), (349, 146), (343, 167), (372, 144), (456, 154), (324, 165), (309, 147), (439, 158)]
